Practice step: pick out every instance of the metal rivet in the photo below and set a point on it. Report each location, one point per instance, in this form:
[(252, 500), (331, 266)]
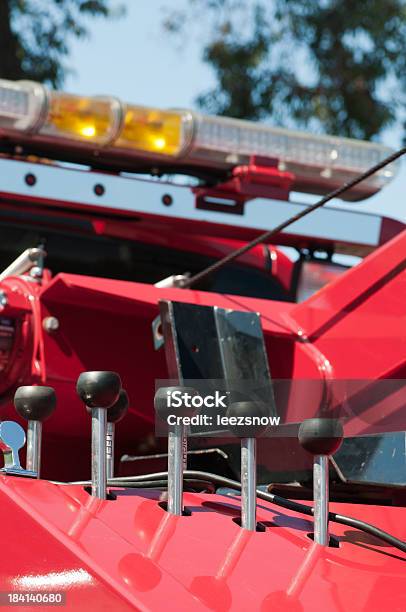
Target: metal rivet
[(167, 200), (30, 179), (99, 189)]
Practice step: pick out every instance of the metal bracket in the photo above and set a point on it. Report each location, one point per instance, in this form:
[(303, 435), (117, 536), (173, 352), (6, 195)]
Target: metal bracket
[(261, 178), (12, 439), (205, 343), (347, 230)]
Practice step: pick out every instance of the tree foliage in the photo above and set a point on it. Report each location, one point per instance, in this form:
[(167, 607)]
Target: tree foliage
[(321, 64), (35, 35)]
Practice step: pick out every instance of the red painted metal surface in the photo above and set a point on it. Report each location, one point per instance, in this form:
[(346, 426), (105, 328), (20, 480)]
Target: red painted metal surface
[(131, 554)]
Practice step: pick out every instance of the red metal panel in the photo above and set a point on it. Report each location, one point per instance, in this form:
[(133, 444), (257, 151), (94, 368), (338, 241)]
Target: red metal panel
[(130, 552)]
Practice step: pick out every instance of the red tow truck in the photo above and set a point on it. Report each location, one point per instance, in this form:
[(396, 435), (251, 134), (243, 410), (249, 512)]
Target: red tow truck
[(110, 216)]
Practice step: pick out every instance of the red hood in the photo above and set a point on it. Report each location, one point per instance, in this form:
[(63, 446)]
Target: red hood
[(129, 553)]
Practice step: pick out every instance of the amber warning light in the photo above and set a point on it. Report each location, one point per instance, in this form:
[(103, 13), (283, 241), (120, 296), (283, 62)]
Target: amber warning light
[(107, 127)]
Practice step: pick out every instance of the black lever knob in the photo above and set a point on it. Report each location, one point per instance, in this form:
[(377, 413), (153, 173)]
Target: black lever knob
[(247, 410), (35, 403), (99, 389), (166, 402), (321, 436), (117, 411)]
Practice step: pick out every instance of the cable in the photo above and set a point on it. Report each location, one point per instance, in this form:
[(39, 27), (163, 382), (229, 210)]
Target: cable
[(266, 235), (137, 481), (196, 485)]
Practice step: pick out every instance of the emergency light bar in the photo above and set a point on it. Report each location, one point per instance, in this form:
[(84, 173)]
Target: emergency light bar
[(185, 139)]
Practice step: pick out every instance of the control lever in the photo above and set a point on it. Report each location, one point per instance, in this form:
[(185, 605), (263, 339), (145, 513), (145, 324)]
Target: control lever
[(12, 438), (321, 437), (99, 391), (114, 414), (248, 435), (35, 404), (176, 435)]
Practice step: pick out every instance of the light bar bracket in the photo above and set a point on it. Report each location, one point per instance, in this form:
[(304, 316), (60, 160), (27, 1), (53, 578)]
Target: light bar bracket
[(260, 178), (28, 184)]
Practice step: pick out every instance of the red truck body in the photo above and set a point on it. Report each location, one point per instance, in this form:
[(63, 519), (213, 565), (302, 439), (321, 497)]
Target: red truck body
[(110, 239)]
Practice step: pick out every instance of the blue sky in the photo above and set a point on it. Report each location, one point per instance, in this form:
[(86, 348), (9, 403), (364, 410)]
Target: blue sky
[(135, 60)]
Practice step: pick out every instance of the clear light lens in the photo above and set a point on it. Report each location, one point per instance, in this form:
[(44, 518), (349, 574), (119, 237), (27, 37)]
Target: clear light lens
[(94, 120), (318, 162), (21, 104), (154, 131)]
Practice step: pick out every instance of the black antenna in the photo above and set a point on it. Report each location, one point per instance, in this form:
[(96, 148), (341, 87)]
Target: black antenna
[(265, 236)]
